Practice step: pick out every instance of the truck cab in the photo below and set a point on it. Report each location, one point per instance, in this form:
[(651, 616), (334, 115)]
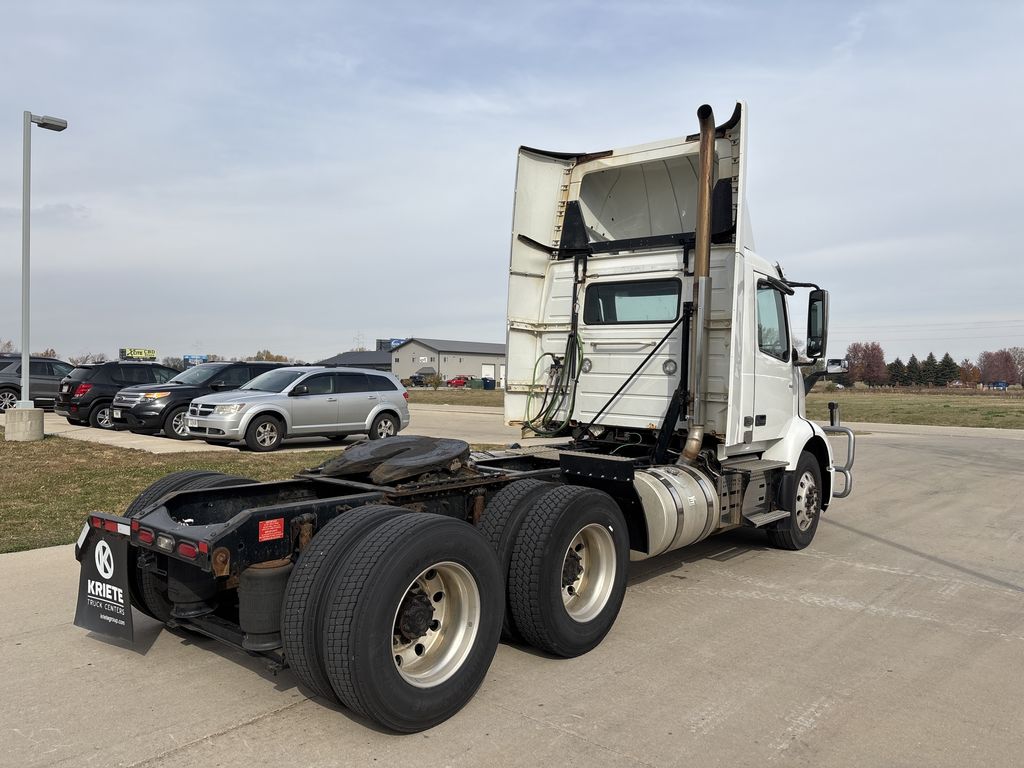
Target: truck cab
[(619, 337)]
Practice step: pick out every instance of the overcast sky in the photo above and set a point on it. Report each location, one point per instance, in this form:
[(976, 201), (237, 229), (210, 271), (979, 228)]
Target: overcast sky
[(309, 176)]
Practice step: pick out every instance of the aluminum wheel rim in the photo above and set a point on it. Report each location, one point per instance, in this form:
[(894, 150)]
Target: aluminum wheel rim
[(7, 400), (806, 501), (266, 434), (386, 428), (103, 418), (588, 572), (178, 425), (433, 657)]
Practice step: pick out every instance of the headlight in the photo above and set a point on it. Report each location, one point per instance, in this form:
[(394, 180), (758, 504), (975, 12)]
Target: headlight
[(155, 395), (225, 410)]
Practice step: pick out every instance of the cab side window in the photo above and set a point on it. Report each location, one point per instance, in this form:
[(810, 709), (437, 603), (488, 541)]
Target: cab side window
[(160, 375), (772, 332), (380, 383)]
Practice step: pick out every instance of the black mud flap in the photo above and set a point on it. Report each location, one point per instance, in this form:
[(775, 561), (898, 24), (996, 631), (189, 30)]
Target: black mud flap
[(103, 602)]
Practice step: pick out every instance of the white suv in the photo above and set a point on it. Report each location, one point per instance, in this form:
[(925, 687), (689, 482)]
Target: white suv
[(302, 401)]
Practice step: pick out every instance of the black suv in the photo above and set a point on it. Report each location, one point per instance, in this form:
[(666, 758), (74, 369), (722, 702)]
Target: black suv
[(44, 375), (86, 393), (148, 408)]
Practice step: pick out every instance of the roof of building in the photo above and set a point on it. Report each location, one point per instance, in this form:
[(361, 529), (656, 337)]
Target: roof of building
[(465, 347), (359, 358)]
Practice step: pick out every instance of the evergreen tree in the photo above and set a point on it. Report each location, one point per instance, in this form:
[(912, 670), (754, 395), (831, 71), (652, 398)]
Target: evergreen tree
[(948, 370), (913, 371), (929, 370), (897, 373)]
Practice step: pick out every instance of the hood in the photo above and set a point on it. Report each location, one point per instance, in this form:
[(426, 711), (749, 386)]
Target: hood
[(238, 396), (167, 386)]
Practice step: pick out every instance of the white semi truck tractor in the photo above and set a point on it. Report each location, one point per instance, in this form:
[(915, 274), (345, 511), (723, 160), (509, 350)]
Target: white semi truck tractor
[(643, 331)]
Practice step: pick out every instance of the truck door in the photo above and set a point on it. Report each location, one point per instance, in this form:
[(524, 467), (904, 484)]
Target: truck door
[(623, 322), (773, 363)]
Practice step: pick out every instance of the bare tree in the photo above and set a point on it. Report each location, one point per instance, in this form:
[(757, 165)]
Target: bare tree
[(266, 354), (6, 345), (174, 362), (867, 363), (970, 374), (998, 366), (48, 352), (1017, 353), (88, 357)]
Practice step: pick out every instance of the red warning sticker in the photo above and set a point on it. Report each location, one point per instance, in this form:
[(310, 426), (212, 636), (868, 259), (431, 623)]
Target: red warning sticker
[(272, 529)]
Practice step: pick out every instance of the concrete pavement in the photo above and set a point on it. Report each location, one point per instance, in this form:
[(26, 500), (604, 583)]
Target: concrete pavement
[(895, 639)]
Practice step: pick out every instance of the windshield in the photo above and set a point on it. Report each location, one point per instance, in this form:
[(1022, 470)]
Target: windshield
[(199, 374), (273, 381)]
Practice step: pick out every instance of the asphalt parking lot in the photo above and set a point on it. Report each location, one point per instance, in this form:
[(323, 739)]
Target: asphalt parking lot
[(896, 639)]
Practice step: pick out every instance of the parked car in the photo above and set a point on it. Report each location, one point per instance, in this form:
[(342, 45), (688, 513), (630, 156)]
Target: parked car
[(459, 381), (87, 392), (44, 375), (418, 380), (148, 408), (301, 401)]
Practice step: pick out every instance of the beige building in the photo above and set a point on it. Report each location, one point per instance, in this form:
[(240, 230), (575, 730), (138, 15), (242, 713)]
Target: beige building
[(449, 358)]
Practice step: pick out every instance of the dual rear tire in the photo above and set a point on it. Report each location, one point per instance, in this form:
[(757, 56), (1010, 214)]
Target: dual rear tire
[(394, 614)]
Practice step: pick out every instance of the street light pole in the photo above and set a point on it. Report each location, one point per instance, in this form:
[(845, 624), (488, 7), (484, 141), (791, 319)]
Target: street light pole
[(26, 195), (51, 124)]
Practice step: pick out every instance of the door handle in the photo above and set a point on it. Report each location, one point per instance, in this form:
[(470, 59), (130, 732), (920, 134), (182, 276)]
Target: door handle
[(371, 397), (332, 399)]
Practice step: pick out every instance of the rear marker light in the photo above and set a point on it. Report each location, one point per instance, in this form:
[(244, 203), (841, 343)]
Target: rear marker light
[(204, 548), (165, 542), (145, 536), (185, 549), (111, 526), (135, 525), (97, 523)]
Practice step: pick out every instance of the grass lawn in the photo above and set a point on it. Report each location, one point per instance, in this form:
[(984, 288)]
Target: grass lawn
[(936, 407), (457, 396), (48, 487)]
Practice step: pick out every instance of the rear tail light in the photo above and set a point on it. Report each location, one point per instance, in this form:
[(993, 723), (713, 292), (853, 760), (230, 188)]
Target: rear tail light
[(145, 536), (82, 389), (110, 525), (405, 395), (187, 549)]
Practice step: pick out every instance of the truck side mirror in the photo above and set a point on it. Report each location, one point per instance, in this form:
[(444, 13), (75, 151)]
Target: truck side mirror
[(817, 323), (835, 366)]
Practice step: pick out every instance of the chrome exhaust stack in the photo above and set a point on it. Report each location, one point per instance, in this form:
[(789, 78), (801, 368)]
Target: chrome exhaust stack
[(701, 283)]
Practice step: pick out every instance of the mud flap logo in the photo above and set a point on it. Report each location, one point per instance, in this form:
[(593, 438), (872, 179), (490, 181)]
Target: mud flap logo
[(103, 602)]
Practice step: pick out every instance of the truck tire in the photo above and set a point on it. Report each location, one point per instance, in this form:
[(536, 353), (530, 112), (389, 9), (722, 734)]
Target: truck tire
[(99, 416), (265, 433), (303, 606), (174, 423), (385, 425), (804, 499), (146, 590), (500, 524), (567, 576), (412, 621)]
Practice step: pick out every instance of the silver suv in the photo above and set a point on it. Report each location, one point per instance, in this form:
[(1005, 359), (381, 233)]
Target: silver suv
[(302, 401)]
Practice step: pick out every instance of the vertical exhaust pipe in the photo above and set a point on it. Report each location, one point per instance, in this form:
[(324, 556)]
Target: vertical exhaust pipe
[(701, 282)]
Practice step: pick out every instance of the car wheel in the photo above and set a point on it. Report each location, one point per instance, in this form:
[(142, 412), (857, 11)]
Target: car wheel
[(797, 530), (385, 425), (100, 417), (8, 399), (174, 423), (265, 433)]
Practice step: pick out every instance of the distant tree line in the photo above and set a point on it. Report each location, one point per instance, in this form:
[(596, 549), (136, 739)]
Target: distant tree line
[(867, 365)]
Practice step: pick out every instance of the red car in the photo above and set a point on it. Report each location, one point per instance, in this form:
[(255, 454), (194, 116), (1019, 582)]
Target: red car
[(458, 381)]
